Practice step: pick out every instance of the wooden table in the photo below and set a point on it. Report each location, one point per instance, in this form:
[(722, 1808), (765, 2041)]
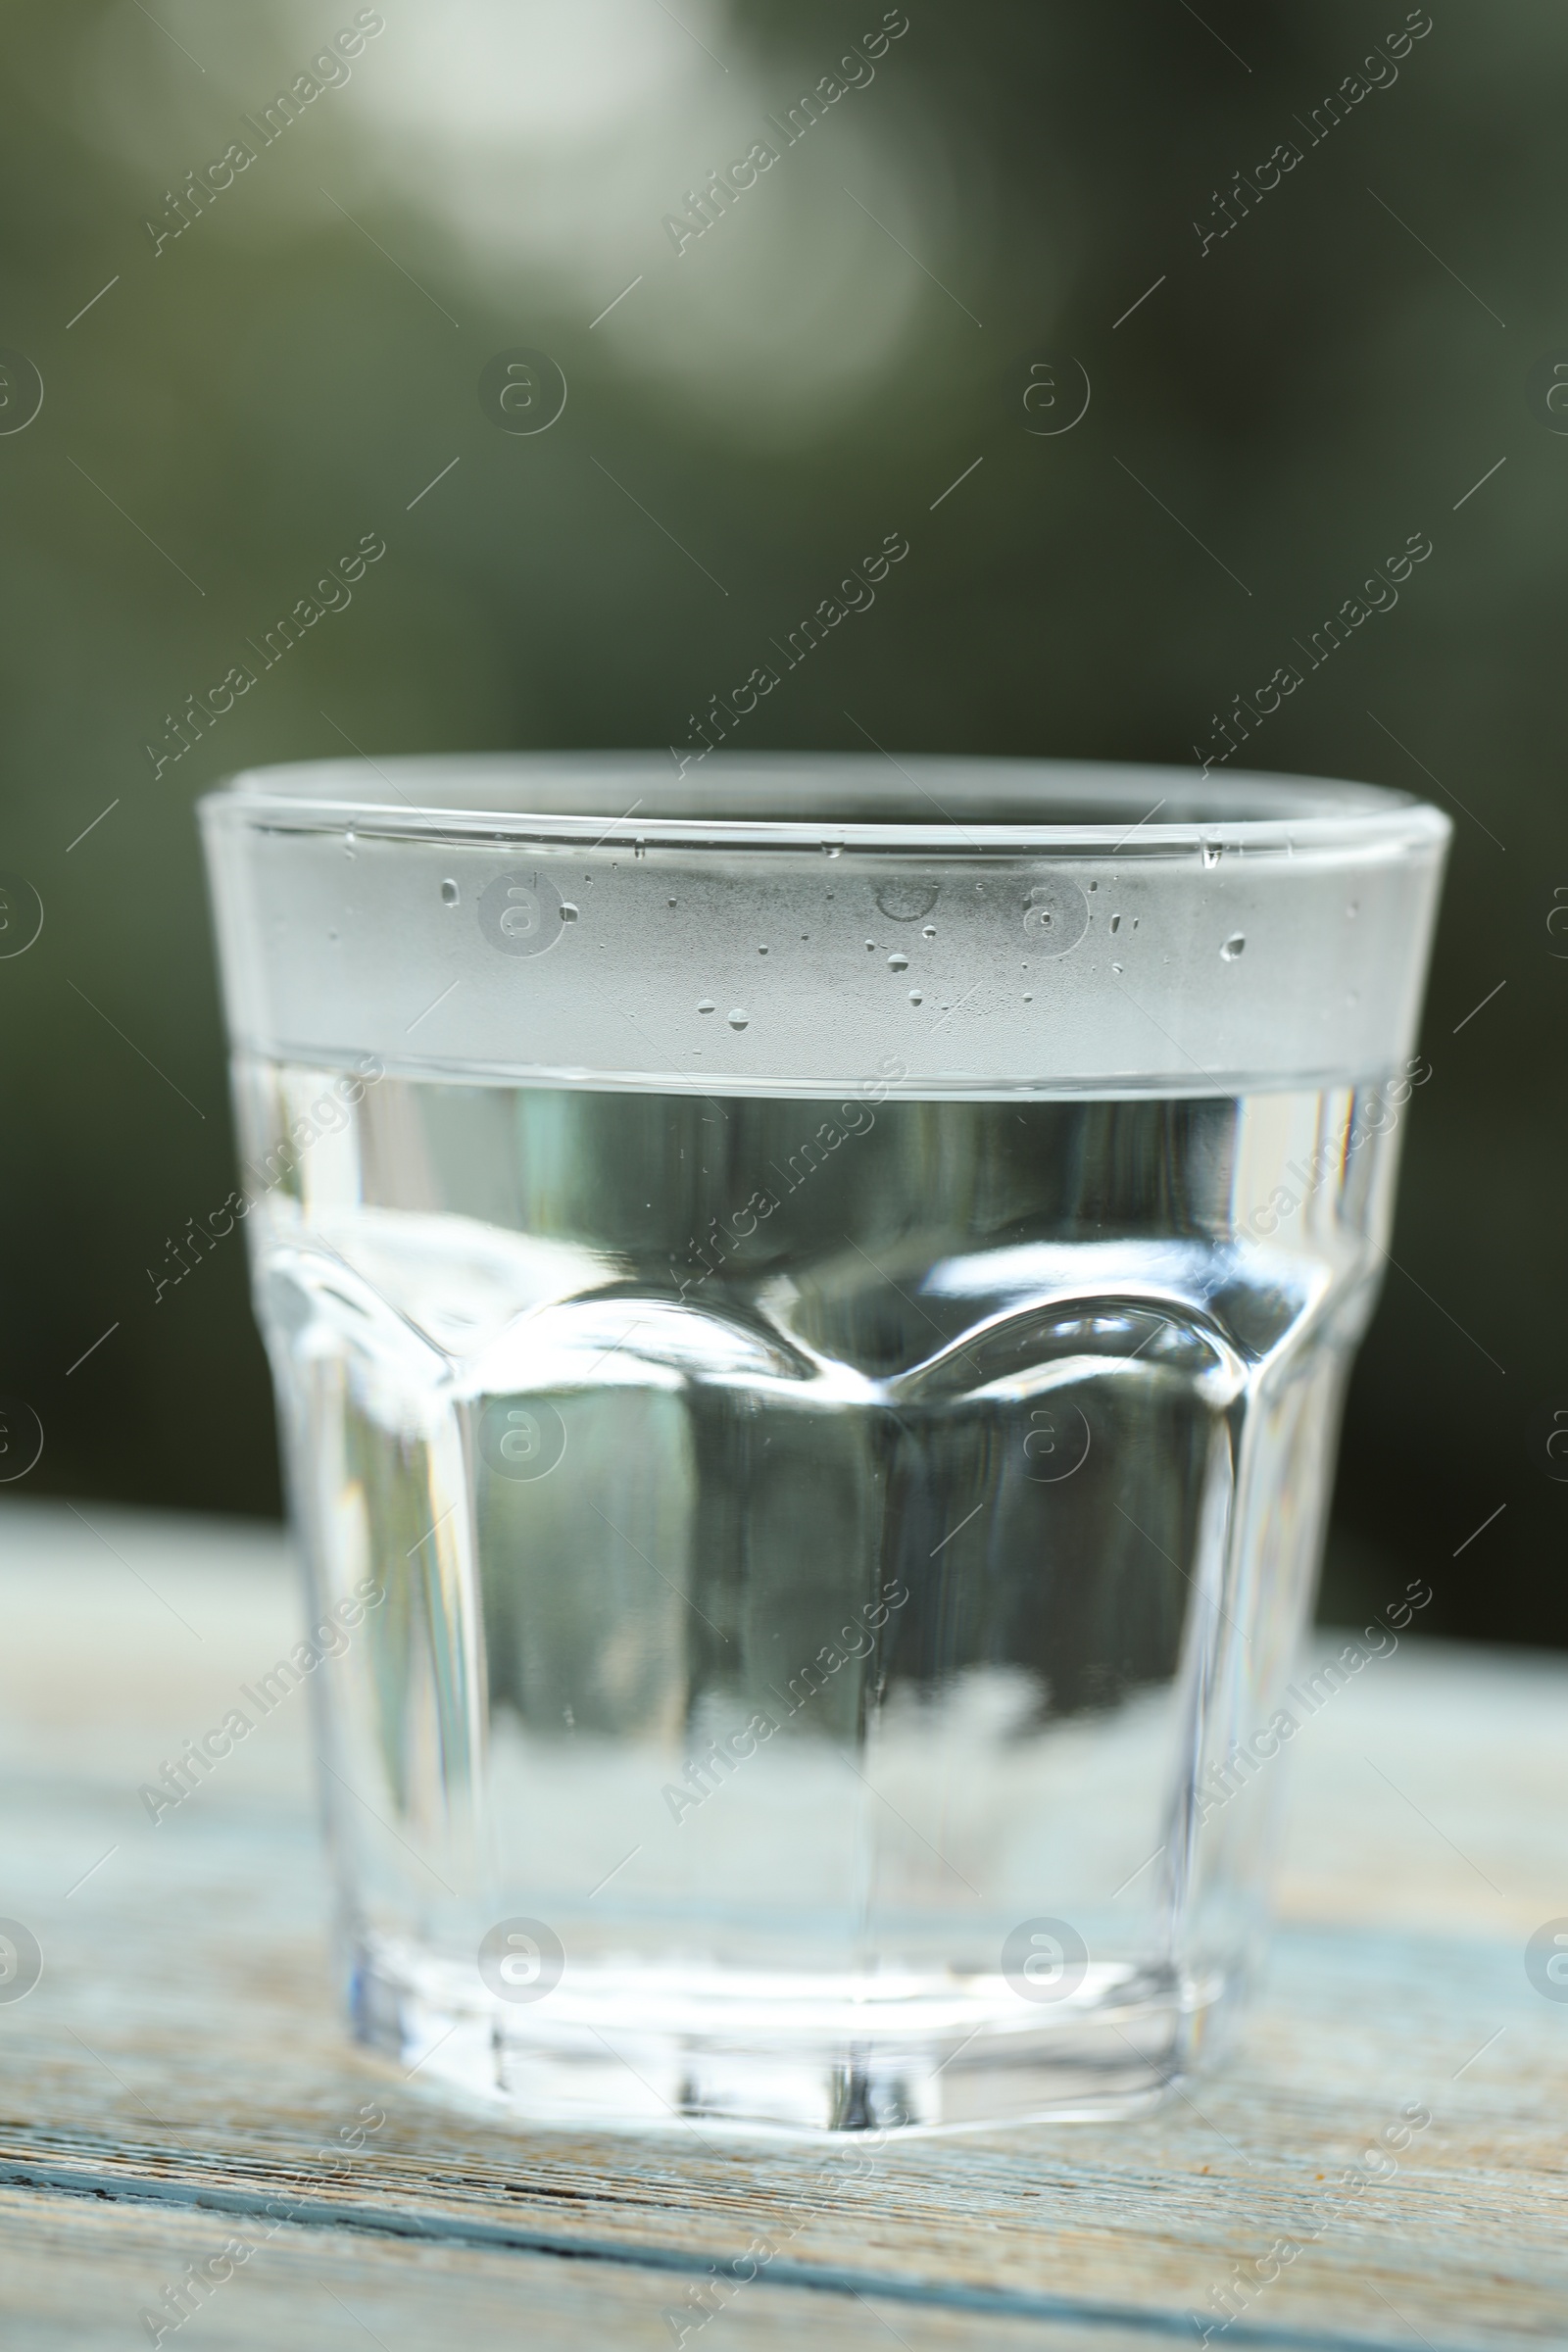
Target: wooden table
[(176, 2075)]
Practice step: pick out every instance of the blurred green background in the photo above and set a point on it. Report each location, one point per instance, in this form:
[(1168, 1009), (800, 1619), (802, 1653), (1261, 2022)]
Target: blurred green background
[(1290, 402)]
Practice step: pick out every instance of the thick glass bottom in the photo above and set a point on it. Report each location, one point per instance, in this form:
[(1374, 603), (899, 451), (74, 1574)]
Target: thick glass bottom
[(617, 2047)]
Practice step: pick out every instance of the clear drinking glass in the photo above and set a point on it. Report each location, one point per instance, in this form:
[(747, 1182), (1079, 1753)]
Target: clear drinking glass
[(809, 1303)]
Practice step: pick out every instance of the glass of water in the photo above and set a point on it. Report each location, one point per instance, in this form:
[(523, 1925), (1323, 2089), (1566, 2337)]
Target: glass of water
[(809, 1301)]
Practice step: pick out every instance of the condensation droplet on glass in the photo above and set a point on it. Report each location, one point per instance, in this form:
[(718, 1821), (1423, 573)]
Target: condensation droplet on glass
[(1027, 998), (830, 849), (568, 912), (761, 950), (1352, 911), (639, 848), (870, 947), (347, 845), (929, 931), (672, 902), (897, 962), (1115, 922), (915, 997), (1233, 946), (707, 1005), (1093, 885), (1211, 853), (1116, 968), (739, 1019), (449, 893)]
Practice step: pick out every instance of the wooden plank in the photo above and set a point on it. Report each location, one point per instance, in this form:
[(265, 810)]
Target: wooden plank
[(183, 2047), (76, 2280)]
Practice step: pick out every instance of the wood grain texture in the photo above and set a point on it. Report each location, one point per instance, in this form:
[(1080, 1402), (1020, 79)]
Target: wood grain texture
[(181, 2065)]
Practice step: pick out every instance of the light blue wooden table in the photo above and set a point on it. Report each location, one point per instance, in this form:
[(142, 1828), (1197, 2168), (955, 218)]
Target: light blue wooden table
[(170, 2086)]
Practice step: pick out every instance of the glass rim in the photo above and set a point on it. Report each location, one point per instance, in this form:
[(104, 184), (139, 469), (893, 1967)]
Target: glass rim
[(920, 800)]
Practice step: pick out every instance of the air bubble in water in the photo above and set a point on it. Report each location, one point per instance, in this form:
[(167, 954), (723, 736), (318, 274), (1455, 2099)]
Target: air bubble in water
[(1233, 946), (897, 962)]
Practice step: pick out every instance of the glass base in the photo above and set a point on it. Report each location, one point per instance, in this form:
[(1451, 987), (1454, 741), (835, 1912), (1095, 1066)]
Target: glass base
[(621, 2048)]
